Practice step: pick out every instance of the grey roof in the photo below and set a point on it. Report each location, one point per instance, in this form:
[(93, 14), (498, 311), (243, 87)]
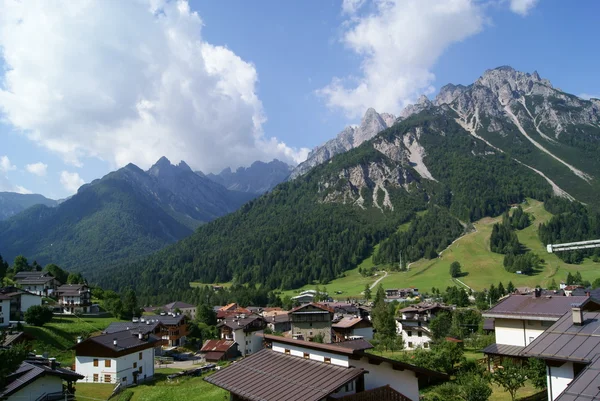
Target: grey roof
[(525, 306), (125, 341), (568, 342), (586, 386), (146, 327), (20, 275), (177, 304), (167, 320), (274, 376), (28, 372), (358, 345), (235, 322), (503, 349), (34, 280), (71, 289), (13, 337)]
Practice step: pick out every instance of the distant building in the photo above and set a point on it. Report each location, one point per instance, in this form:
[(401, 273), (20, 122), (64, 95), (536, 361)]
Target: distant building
[(243, 330), (320, 372), (413, 324), (399, 293), (4, 310), (39, 379), (219, 350), (119, 357), (351, 327), (520, 319), (311, 320), (143, 325), (74, 298), (39, 283), (20, 301), (174, 328), (280, 322), (181, 307)]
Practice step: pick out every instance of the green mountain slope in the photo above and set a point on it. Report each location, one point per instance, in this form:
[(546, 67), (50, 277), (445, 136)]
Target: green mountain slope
[(121, 217), (12, 203)]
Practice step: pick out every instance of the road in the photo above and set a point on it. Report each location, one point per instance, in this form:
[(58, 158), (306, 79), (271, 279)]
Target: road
[(378, 280)]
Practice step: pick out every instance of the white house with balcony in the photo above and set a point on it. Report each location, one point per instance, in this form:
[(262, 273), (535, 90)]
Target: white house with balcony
[(242, 329), (125, 357), (74, 298), (413, 324)]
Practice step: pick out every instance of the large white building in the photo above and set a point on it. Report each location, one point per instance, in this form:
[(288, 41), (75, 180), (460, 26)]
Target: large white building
[(4, 310), (20, 301), (74, 298), (123, 357), (320, 371), (413, 324), (243, 330), (520, 319)]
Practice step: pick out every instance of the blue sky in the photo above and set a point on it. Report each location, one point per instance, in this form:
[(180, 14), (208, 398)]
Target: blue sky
[(87, 89)]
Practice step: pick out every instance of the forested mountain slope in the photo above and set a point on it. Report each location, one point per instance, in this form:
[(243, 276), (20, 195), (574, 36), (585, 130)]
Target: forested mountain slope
[(12, 203), (127, 214)]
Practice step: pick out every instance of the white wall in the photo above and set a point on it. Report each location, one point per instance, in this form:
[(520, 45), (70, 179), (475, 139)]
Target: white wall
[(403, 381), (29, 300), (315, 355), (415, 339), (558, 378), (4, 312), (518, 332), (120, 368), (43, 385)]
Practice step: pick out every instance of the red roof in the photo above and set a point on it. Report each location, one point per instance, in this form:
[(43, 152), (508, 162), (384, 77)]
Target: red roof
[(216, 345)]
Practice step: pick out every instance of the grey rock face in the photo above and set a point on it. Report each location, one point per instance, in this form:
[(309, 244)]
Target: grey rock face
[(351, 137), (257, 179)]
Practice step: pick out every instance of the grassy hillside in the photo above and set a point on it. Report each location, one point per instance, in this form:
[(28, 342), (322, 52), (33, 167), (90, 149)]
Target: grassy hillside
[(480, 265), (57, 337)]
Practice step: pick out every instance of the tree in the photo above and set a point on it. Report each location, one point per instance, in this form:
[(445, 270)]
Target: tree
[(511, 377), (38, 315), (455, 269), (367, 292), (596, 283), (440, 325), (570, 279), (20, 264), (553, 285), (536, 372), (474, 387), (205, 314), (501, 289), (75, 278), (130, 304), (59, 274), (493, 294), (3, 267), (10, 359)]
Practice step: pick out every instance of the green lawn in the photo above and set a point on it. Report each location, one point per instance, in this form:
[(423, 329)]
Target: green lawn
[(93, 391), (192, 388), (57, 337), (194, 284)]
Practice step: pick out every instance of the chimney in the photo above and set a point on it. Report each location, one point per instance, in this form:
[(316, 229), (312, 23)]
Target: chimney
[(537, 292), (140, 336), (115, 342), (79, 339), (577, 315), (52, 362)]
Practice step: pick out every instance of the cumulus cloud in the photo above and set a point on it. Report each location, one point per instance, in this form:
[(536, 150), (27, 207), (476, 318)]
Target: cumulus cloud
[(587, 96), (5, 184), (6, 165), (71, 181), (522, 7), (352, 6), (399, 43), (130, 82), (38, 169)]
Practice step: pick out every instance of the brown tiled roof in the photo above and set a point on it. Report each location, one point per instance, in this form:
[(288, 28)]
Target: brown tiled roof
[(273, 376), (424, 307), (346, 322), (235, 322), (217, 345), (313, 304), (524, 306), (29, 371), (125, 341), (565, 341)]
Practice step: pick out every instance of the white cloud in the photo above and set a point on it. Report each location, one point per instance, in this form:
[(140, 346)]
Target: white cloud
[(38, 169), (522, 7), (5, 184), (130, 82), (6, 165), (587, 96), (352, 6), (399, 43), (71, 181)]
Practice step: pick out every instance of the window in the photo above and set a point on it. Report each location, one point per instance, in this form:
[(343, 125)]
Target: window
[(287, 351), (531, 322), (410, 345), (327, 360), (140, 356), (140, 369), (95, 362), (306, 355), (106, 378), (95, 377), (107, 363), (409, 333), (135, 365), (349, 387), (546, 323), (425, 345), (531, 339), (1, 320), (419, 334)]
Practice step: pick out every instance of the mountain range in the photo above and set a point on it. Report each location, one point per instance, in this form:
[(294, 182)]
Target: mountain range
[(12, 203), (467, 154), (259, 178)]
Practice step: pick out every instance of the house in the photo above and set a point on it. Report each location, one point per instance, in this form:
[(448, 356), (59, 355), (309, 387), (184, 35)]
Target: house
[(399, 293), (350, 327), (320, 372), (39, 283), (413, 323), (120, 357), (219, 350), (142, 325), (308, 296), (242, 329), (571, 350), (174, 307), (279, 322), (20, 301), (4, 310), (520, 319), (232, 309), (311, 320), (74, 298), (39, 379), (174, 328), (347, 308), (15, 337)]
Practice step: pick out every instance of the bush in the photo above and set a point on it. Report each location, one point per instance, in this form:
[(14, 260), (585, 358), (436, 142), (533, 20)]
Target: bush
[(38, 315)]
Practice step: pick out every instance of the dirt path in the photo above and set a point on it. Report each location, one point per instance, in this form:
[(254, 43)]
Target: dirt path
[(378, 280)]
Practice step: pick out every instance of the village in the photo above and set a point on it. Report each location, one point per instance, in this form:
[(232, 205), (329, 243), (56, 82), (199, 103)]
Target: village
[(531, 343)]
